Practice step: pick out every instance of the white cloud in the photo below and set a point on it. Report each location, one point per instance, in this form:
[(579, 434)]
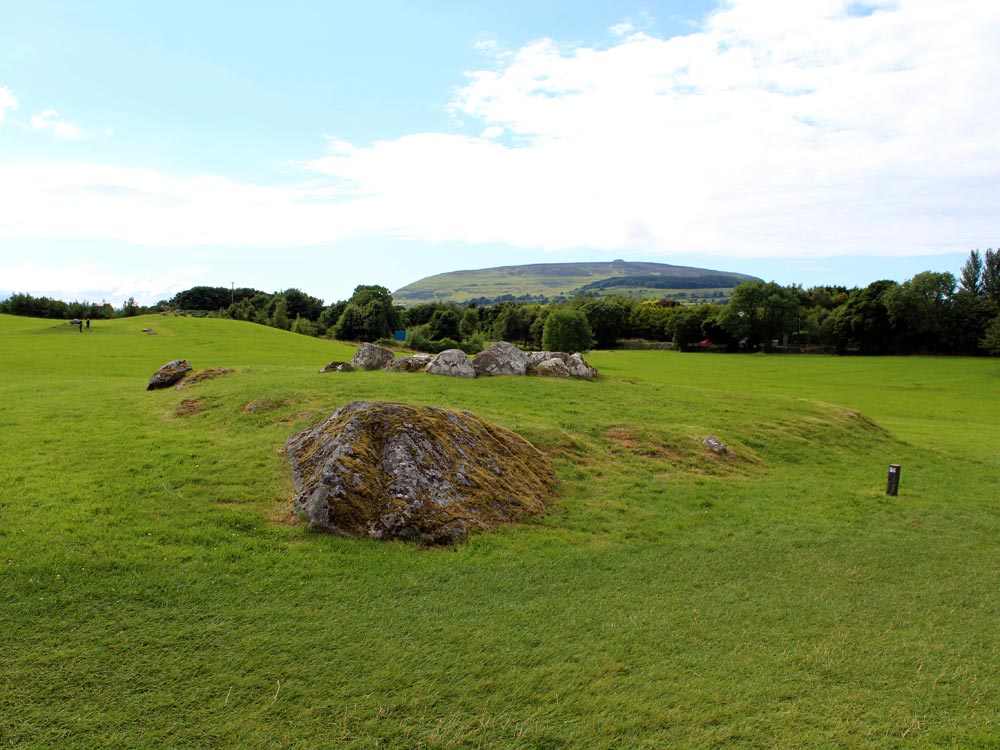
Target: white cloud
[(622, 29), (780, 128), (7, 101), (94, 282), (48, 121)]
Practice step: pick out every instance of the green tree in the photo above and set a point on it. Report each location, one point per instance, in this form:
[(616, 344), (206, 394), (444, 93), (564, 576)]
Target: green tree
[(444, 324), (920, 310), (608, 318), (279, 317), (991, 275), (300, 304), (990, 342), (971, 277), (330, 315), (368, 316), (513, 323), (760, 312), (863, 322), (567, 330), (469, 324)]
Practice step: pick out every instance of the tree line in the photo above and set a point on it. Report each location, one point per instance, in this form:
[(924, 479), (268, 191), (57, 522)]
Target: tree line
[(933, 313)]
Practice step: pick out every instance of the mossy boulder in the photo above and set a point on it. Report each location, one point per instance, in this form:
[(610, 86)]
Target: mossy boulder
[(170, 373), (397, 471)]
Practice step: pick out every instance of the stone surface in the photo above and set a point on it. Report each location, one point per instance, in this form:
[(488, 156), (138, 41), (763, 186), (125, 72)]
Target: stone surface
[(169, 374), (452, 362), (552, 367), (337, 367), (576, 365), (414, 363), (371, 357), (716, 446), (399, 471), (500, 359)]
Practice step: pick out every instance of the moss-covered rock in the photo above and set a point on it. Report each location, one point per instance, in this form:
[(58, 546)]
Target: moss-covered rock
[(170, 373), (398, 471)]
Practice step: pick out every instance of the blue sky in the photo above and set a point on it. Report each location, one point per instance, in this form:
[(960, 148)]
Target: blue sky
[(146, 148)]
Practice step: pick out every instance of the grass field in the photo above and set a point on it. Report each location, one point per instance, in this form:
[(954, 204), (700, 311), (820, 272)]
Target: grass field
[(157, 593)]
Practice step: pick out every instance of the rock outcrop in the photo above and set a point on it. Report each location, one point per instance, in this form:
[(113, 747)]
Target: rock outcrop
[(336, 367), (576, 365), (398, 471), (413, 363), (552, 368), (170, 373), (452, 362), (371, 357), (500, 359)]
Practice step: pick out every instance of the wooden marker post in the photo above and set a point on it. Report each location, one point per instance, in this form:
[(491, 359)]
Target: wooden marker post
[(892, 486)]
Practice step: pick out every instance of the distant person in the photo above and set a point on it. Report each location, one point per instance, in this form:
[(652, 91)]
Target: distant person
[(88, 324)]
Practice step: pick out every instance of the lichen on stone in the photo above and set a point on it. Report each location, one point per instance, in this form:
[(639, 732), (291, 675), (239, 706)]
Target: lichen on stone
[(398, 471)]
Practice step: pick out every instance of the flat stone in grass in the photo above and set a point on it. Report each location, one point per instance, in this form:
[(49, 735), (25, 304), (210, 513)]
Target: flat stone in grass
[(169, 374), (397, 471)]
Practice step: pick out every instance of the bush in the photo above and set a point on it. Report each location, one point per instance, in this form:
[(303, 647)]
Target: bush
[(567, 330)]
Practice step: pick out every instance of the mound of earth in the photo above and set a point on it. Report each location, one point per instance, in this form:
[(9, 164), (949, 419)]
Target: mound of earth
[(396, 471)]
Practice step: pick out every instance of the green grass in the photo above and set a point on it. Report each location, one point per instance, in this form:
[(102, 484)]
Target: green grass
[(156, 592)]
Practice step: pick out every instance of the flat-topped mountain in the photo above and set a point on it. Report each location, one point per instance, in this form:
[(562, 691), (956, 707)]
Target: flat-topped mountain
[(552, 282)]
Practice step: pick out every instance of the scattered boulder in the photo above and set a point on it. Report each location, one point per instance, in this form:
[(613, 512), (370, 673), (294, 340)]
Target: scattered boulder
[(552, 367), (580, 368), (371, 357), (414, 363), (716, 446), (337, 367), (170, 373), (500, 359), (397, 471), (452, 362), (576, 365)]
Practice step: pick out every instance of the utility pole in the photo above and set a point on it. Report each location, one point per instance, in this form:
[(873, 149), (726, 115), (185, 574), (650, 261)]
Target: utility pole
[(232, 293)]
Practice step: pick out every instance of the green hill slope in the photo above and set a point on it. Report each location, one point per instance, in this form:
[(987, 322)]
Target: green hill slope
[(547, 282), (156, 592)]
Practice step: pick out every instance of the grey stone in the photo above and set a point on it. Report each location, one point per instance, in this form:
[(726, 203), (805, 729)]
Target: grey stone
[(552, 367), (500, 359), (371, 357), (399, 471), (716, 446), (337, 367), (576, 365), (452, 362), (413, 363), (169, 374)]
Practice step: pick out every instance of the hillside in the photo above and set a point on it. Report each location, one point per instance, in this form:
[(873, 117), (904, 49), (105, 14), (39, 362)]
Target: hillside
[(550, 282), (158, 593)]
